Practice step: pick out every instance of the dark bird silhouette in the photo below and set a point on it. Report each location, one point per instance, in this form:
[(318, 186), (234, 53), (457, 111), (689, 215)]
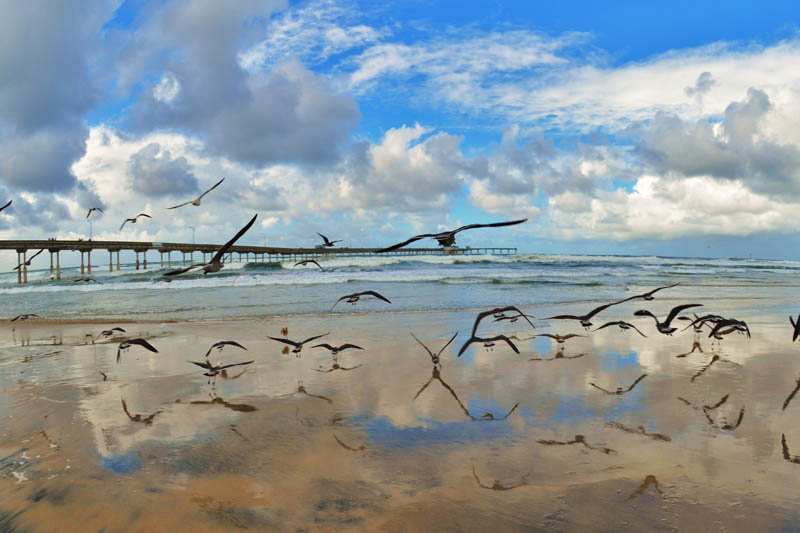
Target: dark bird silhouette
[(436, 357), (488, 342), (221, 344), (297, 347), (560, 339), (500, 312), (700, 321), (648, 296), (133, 220), (110, 332), (791, 396), (714, 359), (356, 296), (664, 327), (620, 390), (729, 325), (197, 201), (621, 324), (585, 320), (144, 419), (578, 439), (25, 316), (726, 426), (326, 242), (786, 455), (305, 262), (448, 238), (27, 262), (496, 485), (796, 327), (105, 376), (336, 349), (92, 210), (212, 370), (3, 208), (501, 317), (216, 264), (124, 345)]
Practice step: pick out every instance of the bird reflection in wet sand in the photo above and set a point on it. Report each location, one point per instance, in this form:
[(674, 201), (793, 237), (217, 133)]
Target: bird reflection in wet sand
[(336, 366), (786, 455), (795, 327), (144, 419), (639, 430), (496, 485), (105, 376), (714, 359), (649, 481), (695, 348), (301, 389), (559, 355), (619, 390), (705, 407), (578, 439), (791, 396), (216, 400), (727, 426), (360, 448)]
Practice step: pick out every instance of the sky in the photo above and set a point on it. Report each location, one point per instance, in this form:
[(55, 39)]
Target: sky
[(656, 128)]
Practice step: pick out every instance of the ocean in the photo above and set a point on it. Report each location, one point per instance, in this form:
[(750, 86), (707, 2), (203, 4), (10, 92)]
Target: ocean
[(413, 284)]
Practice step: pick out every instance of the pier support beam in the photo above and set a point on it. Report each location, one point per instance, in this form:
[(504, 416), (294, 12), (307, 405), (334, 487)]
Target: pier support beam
[(144, 259), (19, 270), (117, 260), (137, 259), (89, 261), (83, 268), (110, 261)]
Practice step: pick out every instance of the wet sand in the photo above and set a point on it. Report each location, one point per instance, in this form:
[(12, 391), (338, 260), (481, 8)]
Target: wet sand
[(286, 446)]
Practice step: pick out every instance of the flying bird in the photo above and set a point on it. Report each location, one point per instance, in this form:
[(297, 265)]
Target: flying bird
[(305, 262), (448, 238), (327, 243), (212, 370), (622, 325), (124, 345), (134, 219), (221, 344), (500, 313), (664, 327), (197, 201), (144, 419), (436, 357), (729, 325), (648, 296), (297, 346), (6, 205), (111, 332), (488, 342), (796, 325), (585, 320), (216, 264), (92, 210), (27, 262), (25, 316), (336, 349), (356, 296)]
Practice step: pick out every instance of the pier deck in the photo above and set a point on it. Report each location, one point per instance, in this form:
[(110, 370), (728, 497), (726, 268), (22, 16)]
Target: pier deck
[(246, 253)]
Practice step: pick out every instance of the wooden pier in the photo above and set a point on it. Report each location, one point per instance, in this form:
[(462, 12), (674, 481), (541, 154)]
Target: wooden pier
[(246, 253)]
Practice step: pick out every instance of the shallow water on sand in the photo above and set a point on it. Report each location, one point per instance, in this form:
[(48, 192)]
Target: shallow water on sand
[(395, 443)]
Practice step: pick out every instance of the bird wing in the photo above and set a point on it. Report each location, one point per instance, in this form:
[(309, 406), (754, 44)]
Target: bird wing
[(144, 344), (326, 346), (315, 337), (661, 289), (225, 247), (7, 204), (376, 295), (180, 205), (126, 221), (286, 341), (597, 310), (548, 335), (490, 225), (118, 329), (608, 324), (564, 317), (491, 312), (466, 345), (183, 270), (423, 345), (636, 382), (406, 242), (677, 310), (229, 365), (143, 215), (224, 343), (217, 184), (448, 343), (637, 329), (204, 364), (350, 346), (324, 238), (34, 255), (89, 213), (508, 341)]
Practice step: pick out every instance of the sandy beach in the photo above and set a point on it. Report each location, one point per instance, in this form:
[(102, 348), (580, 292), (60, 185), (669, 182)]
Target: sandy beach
[(287, 444)]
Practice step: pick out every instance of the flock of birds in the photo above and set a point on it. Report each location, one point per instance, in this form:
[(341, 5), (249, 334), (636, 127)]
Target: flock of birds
[(717, 326)]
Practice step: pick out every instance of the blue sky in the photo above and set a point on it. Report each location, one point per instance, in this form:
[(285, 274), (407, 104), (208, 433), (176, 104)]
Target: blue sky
[(629, 127)]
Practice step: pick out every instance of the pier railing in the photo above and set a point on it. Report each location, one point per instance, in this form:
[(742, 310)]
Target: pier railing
[(246, 253)]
